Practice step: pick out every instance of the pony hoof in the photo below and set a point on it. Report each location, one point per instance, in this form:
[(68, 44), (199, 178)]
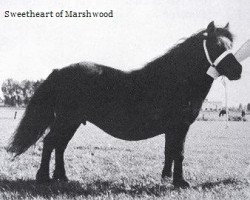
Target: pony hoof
[(166, 180), (166, 176), (181, 184)]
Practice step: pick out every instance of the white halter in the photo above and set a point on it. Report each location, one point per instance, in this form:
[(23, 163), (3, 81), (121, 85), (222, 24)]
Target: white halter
[(215, 74), (212, 70)]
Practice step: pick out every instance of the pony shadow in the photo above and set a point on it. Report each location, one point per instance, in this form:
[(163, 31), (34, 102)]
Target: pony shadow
[(210, 185), (32, 188), (96, 188), (75, 189)]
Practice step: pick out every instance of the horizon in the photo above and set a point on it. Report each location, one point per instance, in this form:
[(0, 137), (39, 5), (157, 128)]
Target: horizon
[(137, 33)]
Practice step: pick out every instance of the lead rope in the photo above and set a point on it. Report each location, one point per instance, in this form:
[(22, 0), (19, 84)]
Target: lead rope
[(224, 82)]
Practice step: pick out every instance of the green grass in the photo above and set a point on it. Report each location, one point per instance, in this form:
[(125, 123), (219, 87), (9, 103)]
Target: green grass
[(102, 167)]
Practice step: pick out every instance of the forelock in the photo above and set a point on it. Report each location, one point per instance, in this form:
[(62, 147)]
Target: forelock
[(225, 41)]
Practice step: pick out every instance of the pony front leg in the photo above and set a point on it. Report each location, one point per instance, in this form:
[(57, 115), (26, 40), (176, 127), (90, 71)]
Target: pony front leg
[(167, 169), (178, 179), (174, 146)]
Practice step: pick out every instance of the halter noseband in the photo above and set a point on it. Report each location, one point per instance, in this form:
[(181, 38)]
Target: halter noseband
[(212, 69)]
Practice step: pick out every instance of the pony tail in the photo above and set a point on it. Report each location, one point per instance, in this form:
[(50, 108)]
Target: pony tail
[(38, 116)]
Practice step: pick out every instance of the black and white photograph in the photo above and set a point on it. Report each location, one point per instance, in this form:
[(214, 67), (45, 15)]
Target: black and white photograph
[(125, 99)]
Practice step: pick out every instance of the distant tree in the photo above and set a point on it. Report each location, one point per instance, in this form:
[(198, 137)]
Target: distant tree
[(29, 87), (248, 106), (16, 93), (12, 92), (28, 90)]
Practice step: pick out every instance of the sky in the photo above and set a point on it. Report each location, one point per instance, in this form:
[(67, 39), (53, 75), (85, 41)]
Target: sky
[(139, 31)]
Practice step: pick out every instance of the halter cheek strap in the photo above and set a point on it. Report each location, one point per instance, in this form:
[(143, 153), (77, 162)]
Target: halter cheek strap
[(212, 70)]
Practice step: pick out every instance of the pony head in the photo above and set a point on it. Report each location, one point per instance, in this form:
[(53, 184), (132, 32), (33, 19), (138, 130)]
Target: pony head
[(217, 45)]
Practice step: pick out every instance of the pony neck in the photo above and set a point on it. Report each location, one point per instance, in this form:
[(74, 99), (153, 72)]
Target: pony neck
[(185, 63), (184, 60)]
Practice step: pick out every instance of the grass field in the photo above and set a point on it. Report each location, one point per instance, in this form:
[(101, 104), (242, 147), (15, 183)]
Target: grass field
[(102, 167)]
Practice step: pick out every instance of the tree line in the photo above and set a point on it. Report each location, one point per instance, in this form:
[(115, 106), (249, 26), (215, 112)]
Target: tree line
[(18, 93)]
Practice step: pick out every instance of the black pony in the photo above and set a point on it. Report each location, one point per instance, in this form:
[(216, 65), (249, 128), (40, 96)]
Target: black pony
[(164, 97)]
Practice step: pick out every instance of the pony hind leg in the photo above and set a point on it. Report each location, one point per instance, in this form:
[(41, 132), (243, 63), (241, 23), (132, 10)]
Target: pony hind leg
[(61, 145), (49, 141), (59, 136)]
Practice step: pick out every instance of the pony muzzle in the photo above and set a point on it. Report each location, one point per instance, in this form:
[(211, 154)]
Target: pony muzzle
[(230, 67)]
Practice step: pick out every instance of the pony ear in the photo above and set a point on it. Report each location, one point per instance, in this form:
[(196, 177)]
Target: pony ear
[(211, 28), (227, 26)]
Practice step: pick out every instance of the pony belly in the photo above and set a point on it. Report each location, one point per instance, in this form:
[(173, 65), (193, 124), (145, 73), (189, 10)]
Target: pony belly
[(131, 135), (132, 131)]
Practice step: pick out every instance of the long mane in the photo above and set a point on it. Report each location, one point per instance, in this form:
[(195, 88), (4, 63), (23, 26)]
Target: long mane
[(181, 54), (181, 61)]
